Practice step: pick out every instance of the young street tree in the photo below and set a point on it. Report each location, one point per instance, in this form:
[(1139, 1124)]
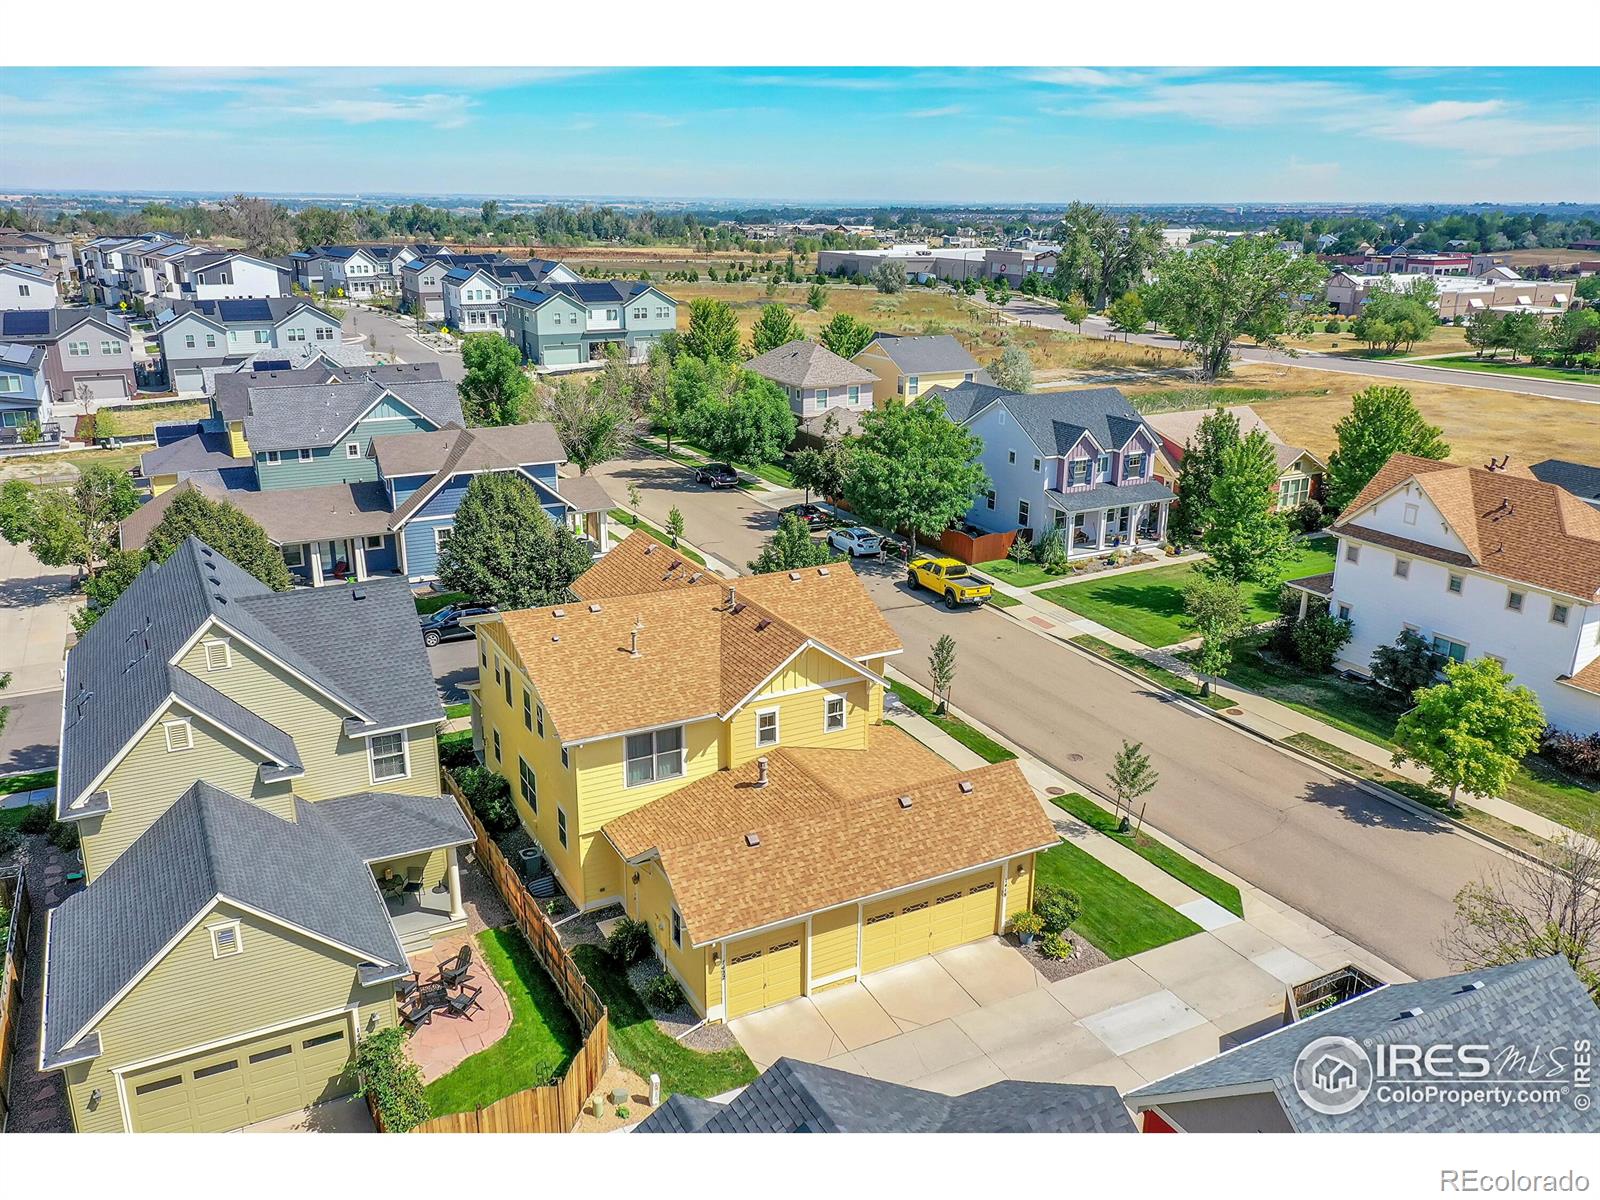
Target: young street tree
[(755, 424), (1538, 909), (845, 336), (1382, 422), (1013, 370), (506, 550), (675, 525), (591, 420), (1216, 294), (1127, 314), (790, 548), (913, 468), (1246, 538), (1214, 608), (494, 391), (1472, 731), (773, 328), (942, 671), (822, 471), (817, 297), (1217, 433), (1131, 776), (713, 331), (1075, 309)]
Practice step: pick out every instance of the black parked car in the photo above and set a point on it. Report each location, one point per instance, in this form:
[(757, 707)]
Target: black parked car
[(717, 475), (811, 516), (445, 625)]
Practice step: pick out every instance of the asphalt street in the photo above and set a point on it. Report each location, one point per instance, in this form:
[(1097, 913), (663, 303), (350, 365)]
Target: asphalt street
[(392, 336)]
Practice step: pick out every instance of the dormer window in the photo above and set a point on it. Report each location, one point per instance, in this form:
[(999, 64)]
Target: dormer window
[(1133, 467), (219, 654), (180, 735), (225, 940)]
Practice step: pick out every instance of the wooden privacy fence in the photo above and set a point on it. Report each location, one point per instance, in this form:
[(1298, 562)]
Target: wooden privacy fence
[(553, 1108), (976, 548), (14, 944)]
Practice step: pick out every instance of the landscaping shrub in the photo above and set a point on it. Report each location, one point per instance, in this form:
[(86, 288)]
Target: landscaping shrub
[(629, 941), (1051, 552), (1400, 669), (664, 992), (36, 820), (489, 796), (1308, 516), (455, 752), (1332, 326), (391, 1080), (63, 836), (1318, 640), (1572, 752), (1053, 945), (10, 839), (1057, 907)]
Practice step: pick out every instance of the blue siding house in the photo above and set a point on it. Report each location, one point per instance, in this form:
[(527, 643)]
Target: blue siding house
[(24, 390)]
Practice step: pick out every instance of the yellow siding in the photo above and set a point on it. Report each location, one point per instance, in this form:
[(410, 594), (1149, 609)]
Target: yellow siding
[(875, 691), (1019, 885), (650, 901), (149, 778), (434, 864), (833, 941), (190, 999), (800, 718), (888, 375), (237, 446), (162, 483)]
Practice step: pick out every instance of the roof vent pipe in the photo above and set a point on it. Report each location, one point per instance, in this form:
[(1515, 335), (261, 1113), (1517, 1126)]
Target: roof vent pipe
[(733, 596), (761, 771), (633, 636)]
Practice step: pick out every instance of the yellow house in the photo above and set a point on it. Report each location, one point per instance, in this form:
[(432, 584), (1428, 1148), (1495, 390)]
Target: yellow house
[(907, 367), (710, 755)]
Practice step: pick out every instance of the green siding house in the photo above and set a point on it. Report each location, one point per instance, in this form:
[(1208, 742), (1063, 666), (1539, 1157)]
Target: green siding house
[(566, 325), (255, 779)]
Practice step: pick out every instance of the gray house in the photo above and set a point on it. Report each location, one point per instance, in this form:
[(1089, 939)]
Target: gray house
[(27, 287), (197, 334), (88, 355), (559, 325), (818, 383)]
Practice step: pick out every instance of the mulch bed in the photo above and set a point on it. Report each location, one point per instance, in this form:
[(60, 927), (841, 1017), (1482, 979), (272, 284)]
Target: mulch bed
[(1085, 957)]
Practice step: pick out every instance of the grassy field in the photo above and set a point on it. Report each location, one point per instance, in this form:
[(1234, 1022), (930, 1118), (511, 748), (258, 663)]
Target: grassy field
[(1159, 399), (1445, 339), (643, 1048), (1148, 605), (1119, 917), (1477, 423), (978, 742), (542, 1040), (45, 468), (1150, 671), (141, 421), (1499, 366), (1157, 854)]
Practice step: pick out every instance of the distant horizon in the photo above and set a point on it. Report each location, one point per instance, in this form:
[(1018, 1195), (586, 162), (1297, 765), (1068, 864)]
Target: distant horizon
[(930, 137)]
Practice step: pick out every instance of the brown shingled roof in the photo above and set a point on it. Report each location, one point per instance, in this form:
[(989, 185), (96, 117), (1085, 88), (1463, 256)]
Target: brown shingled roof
[(635, 565), (832, 829), (1513, 525)]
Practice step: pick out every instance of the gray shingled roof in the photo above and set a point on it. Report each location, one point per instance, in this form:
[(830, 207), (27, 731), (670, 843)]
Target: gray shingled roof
[(233, 390), (380, 825), (287, 418), (1582, 480), (185, 447), (803, 364), (1054, 420), (930, 353), (1526, 1005), (1110, 495), (118, 676), (208, 844), (798, 1097)]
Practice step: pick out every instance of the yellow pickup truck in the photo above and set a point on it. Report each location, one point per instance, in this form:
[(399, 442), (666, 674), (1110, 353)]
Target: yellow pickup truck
[(951, 579)]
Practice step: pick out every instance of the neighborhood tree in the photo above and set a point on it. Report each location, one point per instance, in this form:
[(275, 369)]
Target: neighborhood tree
[(494, 391), (912, 468), (1131, 776), (506, 550), (1192, 513), (713, 330), (1382, 422), (942, 671), (773, 328), (1214, 607), (845, 336), (790, 548), (1245, 537), (1472, 731), (754, 424)]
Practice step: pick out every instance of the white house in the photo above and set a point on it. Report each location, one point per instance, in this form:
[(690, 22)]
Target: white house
[(26, 288), (1483, 562)]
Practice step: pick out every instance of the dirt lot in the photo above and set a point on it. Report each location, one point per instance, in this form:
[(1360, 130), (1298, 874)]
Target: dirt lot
[(1446, 339), (1303, 407)]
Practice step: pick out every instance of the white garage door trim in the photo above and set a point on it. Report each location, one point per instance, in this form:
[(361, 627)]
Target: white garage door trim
[(352, 1011), (101, 387)]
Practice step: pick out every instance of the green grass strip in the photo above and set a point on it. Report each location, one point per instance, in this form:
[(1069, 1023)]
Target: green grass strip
[(27, 782), (1157, 854), (978, 742), (1119, 916), (1160, 675), (623, 517)]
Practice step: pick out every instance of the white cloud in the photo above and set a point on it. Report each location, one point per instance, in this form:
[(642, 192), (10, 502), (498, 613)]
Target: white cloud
[(439, 109), (949, 110)]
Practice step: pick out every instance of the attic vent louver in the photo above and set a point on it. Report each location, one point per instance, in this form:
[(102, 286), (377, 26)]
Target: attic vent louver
[(794, 576), (220, 598), (215, 582), (752, 840), (1412, 1012), (650, 549), (674, 564), (594, 608), (966, 787), (358, 594), (823, 571), (1475, 986), (763, 623), (560, 612), (905, 801), (695, 578)]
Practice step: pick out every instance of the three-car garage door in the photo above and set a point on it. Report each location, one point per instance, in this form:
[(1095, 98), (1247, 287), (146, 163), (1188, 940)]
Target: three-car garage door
[(251, 1081), (928, 920), (766, 969)]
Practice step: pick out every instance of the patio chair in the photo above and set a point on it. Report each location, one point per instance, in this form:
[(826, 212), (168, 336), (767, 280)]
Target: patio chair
[(418, 1014), (461, 1004), (404, 989), (454, 973), (414, 882)]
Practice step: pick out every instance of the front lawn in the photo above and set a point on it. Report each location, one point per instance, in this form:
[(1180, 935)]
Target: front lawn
[(428, 605), (1001, 600), (643, 1048), (1494, 366), (633, 521), (1148, 605), (1157, 854), (140, 420), (1119, 917), (27, 782), (975, 740), (1160, 675), (543, 1038), (1016, 574)]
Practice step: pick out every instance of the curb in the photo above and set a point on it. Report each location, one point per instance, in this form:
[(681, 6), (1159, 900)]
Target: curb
[(1376, 790)]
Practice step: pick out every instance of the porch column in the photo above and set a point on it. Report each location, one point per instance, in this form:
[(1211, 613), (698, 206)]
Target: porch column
[(1100, 536), (452, 878), (359, 545), (314, 549), (1305, 599)]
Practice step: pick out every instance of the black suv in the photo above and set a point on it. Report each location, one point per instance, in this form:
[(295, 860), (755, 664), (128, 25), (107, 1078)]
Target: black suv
[(717, 475), (445, 625)]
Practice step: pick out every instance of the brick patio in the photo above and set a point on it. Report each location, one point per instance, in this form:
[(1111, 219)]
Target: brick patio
[(441, 1045)]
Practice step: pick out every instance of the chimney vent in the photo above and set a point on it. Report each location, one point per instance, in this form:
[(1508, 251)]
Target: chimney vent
[(558, 613), (358, 594), (761, 771), (752, 840), (905, 801), (695, 578), (1412, 1012), (555, 637), (966, 787), (733, 596), (633, 636), (594, 608)]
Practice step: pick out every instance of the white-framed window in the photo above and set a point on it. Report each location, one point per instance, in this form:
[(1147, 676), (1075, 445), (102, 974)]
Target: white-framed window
[(1037, 464), (1103, 466), (77, 349), (179, 734), (1352, 552), (294, 556), (108, 347), (855, 394), (1514, 600), (1344, 612), (263, 337), (677, 928), (372, 541), (529, 782), (1011, 456), (561, 825), (188, 341), (219, 654), (211, 341), (1022, 513), (1402, 568), (389, 756), (1133, 466), (226, 941), (767, 727), (833, 714), (912, 383), (496, 745), (1558, 613), (303, 454), (538, 716), (272, 456), (296, 335), (1454, 583), (1409, 516), (24, 290), (352, 449), (566, 759), (651, 757), (324, 333), (1449, 648), (988, 499), (442, 534)]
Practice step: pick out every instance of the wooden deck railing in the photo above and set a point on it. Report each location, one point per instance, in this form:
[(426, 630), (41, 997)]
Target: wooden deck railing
[(14, 947), (553, 1108)]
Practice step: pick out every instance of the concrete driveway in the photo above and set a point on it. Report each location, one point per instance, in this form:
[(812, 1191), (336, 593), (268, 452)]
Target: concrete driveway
[(36, 607), (980, 1013)]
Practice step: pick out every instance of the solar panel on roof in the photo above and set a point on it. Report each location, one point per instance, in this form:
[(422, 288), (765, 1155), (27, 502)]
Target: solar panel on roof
[(35, 323), (244, 310)]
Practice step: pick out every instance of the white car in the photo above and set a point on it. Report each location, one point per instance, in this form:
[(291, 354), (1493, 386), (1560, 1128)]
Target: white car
[(855, 541)]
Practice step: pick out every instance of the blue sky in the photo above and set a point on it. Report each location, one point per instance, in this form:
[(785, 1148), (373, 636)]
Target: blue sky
[(854, 135)]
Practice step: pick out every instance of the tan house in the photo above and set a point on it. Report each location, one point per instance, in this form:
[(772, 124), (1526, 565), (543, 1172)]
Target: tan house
[(254, 776), (711, 755), (826, 392), (906, 367), (1299, 471)]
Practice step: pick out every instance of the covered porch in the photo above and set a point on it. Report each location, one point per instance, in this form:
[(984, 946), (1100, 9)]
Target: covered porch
[(587, 506), (1312, 587), (423, 895), (1097, 520), (343, 560)]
